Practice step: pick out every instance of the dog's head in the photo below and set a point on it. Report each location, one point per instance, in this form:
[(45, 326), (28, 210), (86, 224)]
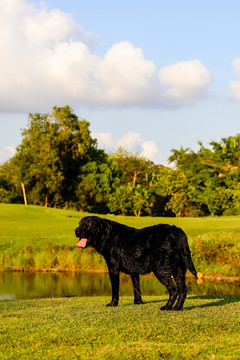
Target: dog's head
[(88, 231)]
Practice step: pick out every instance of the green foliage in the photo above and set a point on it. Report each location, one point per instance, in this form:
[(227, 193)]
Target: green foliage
[(206, 180), (9, 187), (134, 195), (53, 149), (217, 253), (5, 196), (174, 183), (98, 180), (134, 168), (202, 183), (55, 162), (130, 200)]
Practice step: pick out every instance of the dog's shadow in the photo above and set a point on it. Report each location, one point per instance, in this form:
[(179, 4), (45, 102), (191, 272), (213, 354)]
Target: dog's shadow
[(209, 301), (214, 300)]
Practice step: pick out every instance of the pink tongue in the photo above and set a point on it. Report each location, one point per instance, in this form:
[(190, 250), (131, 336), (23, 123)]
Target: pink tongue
[(82, 243)]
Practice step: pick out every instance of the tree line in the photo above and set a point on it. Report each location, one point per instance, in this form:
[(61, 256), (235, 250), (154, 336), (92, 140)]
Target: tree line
[(58, 164)]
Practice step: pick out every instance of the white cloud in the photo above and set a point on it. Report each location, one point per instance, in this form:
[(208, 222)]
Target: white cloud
[(124, 74), (47, 58), (132, 142), (6, 153), (104, 140), (150, 150), (236, 65), (235, 85), (235, 89), (185, 80)]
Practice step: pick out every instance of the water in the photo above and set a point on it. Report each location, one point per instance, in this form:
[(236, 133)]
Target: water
[(18, 285)]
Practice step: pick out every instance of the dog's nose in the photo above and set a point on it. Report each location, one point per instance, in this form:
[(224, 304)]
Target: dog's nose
[(77, 231)]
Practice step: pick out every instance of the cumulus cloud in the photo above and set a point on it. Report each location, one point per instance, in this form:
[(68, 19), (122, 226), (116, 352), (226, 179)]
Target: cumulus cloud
[(132, 141), (236, 65), (150, 150), (235, 89), (104, 140), (124, 74), (185, 80), (6, 153), (235, 85), (47, 58)]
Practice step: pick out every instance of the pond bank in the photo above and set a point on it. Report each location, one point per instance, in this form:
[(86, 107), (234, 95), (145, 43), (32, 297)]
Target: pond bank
[(221, 278)]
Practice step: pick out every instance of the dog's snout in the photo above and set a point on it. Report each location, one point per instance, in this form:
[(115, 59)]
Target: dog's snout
[(77, 232)]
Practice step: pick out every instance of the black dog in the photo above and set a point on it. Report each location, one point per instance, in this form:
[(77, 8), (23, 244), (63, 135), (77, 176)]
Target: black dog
[(162, 249)]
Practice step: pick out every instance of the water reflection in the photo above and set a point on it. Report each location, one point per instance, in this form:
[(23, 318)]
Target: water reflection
[(14, 285)]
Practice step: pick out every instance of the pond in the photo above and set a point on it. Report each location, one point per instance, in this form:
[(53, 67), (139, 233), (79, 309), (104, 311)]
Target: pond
[(22, 285)]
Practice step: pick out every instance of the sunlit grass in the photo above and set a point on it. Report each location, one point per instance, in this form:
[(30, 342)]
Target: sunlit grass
[(81, 328)]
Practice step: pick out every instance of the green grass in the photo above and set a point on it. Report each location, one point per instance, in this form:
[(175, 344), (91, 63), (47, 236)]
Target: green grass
[(38, 238), (83, 328)]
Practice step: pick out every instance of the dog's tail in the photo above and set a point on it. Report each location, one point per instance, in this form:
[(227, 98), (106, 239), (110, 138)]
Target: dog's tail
[(186, 253)]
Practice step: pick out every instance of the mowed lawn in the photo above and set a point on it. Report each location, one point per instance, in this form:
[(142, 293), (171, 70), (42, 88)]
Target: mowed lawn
[(84, 328), (20, 224)]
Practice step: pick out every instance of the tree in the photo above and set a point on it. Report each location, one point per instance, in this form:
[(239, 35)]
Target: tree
[(212, 176), (174, 185), (48, 161), (97, 181), (134, 196), (10, 188), (134, 167), (130, 199), (59, 165), (141, 200), (179, 156)]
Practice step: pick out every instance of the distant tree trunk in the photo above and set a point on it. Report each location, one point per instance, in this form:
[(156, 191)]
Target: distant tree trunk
[(46, 201), (24, 194)]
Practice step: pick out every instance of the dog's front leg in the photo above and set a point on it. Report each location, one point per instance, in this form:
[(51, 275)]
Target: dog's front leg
[(114, 277)]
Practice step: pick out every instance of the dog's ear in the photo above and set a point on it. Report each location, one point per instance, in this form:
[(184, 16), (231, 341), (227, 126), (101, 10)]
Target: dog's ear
[(106, 227), (84, 220), (91, 223)]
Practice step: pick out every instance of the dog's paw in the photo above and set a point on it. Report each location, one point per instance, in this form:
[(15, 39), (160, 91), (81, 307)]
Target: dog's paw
[(176, 308), (165, 308), (138, 302), (113, 303)]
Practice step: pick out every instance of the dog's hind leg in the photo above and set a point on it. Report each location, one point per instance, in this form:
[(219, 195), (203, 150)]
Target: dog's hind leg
[(165, 278), (136, 289), (179, 277)]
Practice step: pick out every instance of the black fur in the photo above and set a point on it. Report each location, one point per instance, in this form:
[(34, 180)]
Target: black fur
[(161, 248)]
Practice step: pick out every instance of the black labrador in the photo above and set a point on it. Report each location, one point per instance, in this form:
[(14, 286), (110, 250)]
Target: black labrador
[(161, 248)]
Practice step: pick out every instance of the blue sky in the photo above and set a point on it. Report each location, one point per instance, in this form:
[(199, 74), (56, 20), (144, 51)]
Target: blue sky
[(148, 75)]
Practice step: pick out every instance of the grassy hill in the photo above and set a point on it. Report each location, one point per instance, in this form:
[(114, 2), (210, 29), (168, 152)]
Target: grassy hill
[(39, 239)]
